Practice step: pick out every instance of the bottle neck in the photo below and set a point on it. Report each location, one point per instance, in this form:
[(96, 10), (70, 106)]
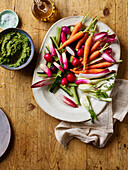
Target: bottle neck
[(42, 6)]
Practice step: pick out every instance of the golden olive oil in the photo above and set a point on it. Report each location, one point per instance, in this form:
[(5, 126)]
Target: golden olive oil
[(44, 10)]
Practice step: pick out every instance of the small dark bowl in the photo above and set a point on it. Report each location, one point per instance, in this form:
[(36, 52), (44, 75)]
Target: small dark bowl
[(32, 48)]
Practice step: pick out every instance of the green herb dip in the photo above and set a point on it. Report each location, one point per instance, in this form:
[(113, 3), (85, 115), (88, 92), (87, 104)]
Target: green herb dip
[(15, 49)]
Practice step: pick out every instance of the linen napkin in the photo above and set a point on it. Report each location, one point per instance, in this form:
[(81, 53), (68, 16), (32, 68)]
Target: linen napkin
[(97, 133)]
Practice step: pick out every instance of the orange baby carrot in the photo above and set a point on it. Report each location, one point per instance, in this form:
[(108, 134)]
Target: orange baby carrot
[(82, 40), (100, 65), (86, 51), (90, 71), (72, 39), (87, 46), (94, 55), (95, 46), (97, 53), (78, 26), (78, 35), (76, 29)]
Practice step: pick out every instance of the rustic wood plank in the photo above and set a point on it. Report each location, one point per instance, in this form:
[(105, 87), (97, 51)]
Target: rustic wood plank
[(34, 145)]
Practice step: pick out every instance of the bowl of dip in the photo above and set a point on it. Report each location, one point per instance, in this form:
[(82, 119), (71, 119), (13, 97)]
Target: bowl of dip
[(8, 19), (16, 49)]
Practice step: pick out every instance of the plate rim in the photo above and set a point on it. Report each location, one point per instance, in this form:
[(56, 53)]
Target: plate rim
[(9, 128)]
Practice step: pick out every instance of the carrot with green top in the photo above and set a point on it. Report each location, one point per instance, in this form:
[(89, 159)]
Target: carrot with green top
[(82, 40), (78, 26), (95, 46), (97, 53), (100, 65), (77, 35), (87, 46), (72, 39)]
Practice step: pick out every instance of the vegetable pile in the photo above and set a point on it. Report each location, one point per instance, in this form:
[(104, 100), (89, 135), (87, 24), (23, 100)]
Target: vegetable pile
[(79, 59)]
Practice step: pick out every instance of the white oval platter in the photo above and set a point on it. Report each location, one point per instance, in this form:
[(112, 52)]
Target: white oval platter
[(48, 101)]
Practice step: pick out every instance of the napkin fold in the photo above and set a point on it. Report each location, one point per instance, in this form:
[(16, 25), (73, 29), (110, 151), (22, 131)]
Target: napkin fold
[(98, 133)]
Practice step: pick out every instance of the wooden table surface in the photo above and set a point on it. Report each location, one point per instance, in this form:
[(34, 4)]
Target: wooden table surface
[(33, 144)]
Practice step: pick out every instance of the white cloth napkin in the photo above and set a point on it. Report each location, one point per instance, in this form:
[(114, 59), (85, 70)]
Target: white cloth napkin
[(98, 133)]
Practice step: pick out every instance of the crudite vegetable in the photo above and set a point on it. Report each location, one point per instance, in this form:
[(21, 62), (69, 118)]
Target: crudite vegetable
[(79, 60)]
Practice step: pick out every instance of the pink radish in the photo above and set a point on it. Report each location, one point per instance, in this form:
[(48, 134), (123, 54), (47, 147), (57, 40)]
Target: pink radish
[(46, 69), (58, 66), (65, 61), (52, 49)]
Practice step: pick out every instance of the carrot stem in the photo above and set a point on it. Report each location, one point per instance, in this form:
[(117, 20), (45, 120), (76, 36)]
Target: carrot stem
[(78, 25), (104, 47), (85, 16), (91, 24)]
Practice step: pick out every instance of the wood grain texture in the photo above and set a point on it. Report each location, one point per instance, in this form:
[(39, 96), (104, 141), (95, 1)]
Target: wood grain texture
[(33, 145)]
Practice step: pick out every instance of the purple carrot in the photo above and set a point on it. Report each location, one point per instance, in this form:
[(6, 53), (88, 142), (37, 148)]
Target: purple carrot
[(65, 61), (58, 66), (46, 69), (52, 49), (44, 82)]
